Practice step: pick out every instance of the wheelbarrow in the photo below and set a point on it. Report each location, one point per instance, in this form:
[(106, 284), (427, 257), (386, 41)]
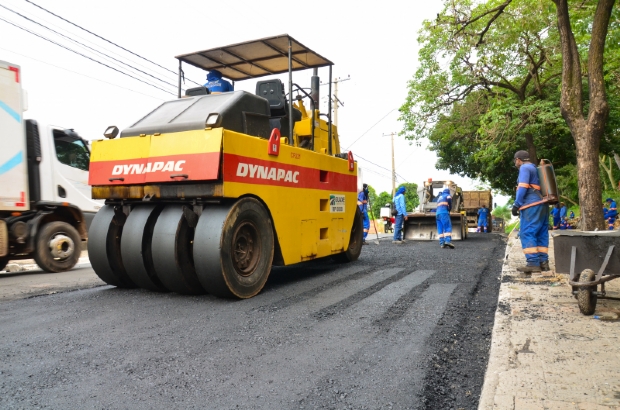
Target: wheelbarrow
[(586, 254)]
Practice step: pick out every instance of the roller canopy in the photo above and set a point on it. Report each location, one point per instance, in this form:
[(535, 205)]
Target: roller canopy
[(256, 58)]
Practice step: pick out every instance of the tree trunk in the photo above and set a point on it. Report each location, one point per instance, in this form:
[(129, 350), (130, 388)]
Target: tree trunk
[(531, 148), (586, 133), (617, 159)]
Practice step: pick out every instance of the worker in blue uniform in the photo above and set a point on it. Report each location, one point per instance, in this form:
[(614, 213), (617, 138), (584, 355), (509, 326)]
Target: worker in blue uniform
[(483, 219), (534, 213), (401, 214), (612, 213), (555, 214), (563, 211), (442, 216), (216, 84), (571, 215), (362, 203)]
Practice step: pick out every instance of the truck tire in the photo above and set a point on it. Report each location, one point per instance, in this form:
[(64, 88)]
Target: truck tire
[(57, 247), (3, 262), (355, 241)]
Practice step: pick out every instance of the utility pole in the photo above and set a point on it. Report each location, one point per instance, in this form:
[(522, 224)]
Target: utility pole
[(391, 134), (335, 100)]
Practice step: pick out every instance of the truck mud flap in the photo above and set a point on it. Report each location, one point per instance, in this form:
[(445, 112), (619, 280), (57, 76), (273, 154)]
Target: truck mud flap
[(424, 228)]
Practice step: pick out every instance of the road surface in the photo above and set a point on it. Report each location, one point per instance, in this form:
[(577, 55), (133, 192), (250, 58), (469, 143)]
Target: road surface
[(405, 327)]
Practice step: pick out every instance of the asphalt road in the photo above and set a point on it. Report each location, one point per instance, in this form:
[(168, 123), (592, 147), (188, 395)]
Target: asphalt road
[(405, 327)]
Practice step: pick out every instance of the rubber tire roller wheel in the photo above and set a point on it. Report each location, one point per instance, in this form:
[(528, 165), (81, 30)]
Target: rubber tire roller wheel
[(586, 299), (42, 254), (136, 247), (104, 247), (233, 248), (171, 248), (355, 240)]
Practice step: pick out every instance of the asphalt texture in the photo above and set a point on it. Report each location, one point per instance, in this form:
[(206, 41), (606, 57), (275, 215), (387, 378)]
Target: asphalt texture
[(405, 327)]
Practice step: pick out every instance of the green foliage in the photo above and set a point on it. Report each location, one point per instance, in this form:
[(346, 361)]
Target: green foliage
[(510, 227), (378, 202), (502, 211), (566, 179), (411, 195), (480, 95)]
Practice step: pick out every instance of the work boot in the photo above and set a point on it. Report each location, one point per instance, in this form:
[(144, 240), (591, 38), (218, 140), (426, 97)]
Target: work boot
[(443, 245), (449, 245), (544, 266), (364, 242), (529, 269), (398, 242)]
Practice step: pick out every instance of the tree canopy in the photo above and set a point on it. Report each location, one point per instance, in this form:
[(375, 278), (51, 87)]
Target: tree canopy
[(489, 84)]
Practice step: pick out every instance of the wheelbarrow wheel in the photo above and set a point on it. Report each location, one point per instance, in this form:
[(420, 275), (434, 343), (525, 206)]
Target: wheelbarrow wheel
[(586, 296)]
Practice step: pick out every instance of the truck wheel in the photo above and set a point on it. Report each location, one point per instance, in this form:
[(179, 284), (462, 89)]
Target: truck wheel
[(57, 247), (233, 248), (3, 262), (355, 241), (586, 298)]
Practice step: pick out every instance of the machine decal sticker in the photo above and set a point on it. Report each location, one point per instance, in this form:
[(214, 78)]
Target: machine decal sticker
[(336, 203), (204, 166), (255, 171)]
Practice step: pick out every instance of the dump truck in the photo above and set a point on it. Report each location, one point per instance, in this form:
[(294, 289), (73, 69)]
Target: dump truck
[(208, 191), (421, 224), (45, 200), (472, 202)]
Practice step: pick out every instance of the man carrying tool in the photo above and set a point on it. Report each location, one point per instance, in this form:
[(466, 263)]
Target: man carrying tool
[(362, 202), (534, 216), (442, 216), (483, 219)]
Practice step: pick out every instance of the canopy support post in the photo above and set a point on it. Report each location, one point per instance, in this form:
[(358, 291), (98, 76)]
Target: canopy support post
[(329, 110), (180, 74), (290, 91)]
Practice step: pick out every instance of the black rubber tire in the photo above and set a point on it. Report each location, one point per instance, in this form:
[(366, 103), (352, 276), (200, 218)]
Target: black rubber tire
[(233, 249), (104, 247), (3, 262), (355, 241), (136, 247), (42, 254), (171, 248), (586, 298)]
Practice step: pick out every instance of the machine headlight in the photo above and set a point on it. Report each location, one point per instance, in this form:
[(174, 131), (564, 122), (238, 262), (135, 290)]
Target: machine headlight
[(111, 132), (212, 120)]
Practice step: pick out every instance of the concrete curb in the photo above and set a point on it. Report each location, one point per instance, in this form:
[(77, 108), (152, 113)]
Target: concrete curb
[(544, 353)]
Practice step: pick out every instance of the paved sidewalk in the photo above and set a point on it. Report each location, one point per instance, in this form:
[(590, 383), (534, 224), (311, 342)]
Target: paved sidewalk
[(545, 354)]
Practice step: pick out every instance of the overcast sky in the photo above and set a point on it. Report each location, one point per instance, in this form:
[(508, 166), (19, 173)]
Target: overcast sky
[(373, 43)]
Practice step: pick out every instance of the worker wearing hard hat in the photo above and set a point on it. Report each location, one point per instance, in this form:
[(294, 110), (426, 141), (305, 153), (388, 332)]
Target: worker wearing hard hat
[(362, 203), (216, 84), (534, 215), (442, 216), (483, 219)]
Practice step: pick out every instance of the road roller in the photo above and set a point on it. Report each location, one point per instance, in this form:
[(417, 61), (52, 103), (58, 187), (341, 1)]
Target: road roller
[(208, 191)]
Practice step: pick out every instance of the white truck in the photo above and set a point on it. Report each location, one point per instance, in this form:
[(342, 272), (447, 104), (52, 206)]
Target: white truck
[(45, 200)]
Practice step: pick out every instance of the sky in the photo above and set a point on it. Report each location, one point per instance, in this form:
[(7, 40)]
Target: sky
[(373, 45)]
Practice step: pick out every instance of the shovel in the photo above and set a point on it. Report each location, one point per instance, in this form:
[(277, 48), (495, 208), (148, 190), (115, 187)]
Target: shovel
[(373, 221)]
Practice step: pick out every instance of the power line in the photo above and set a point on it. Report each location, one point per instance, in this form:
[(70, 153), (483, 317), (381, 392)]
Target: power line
[(85, 56), (84, 45), (106, 40), (366, 132), (80, 74)]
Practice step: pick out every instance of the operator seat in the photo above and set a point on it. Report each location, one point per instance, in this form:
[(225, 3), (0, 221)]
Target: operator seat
[(273, 91)]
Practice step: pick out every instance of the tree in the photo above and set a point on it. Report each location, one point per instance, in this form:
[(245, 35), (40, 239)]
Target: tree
[(587, 130), (381, 200), (503, 212), (411, 195)]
